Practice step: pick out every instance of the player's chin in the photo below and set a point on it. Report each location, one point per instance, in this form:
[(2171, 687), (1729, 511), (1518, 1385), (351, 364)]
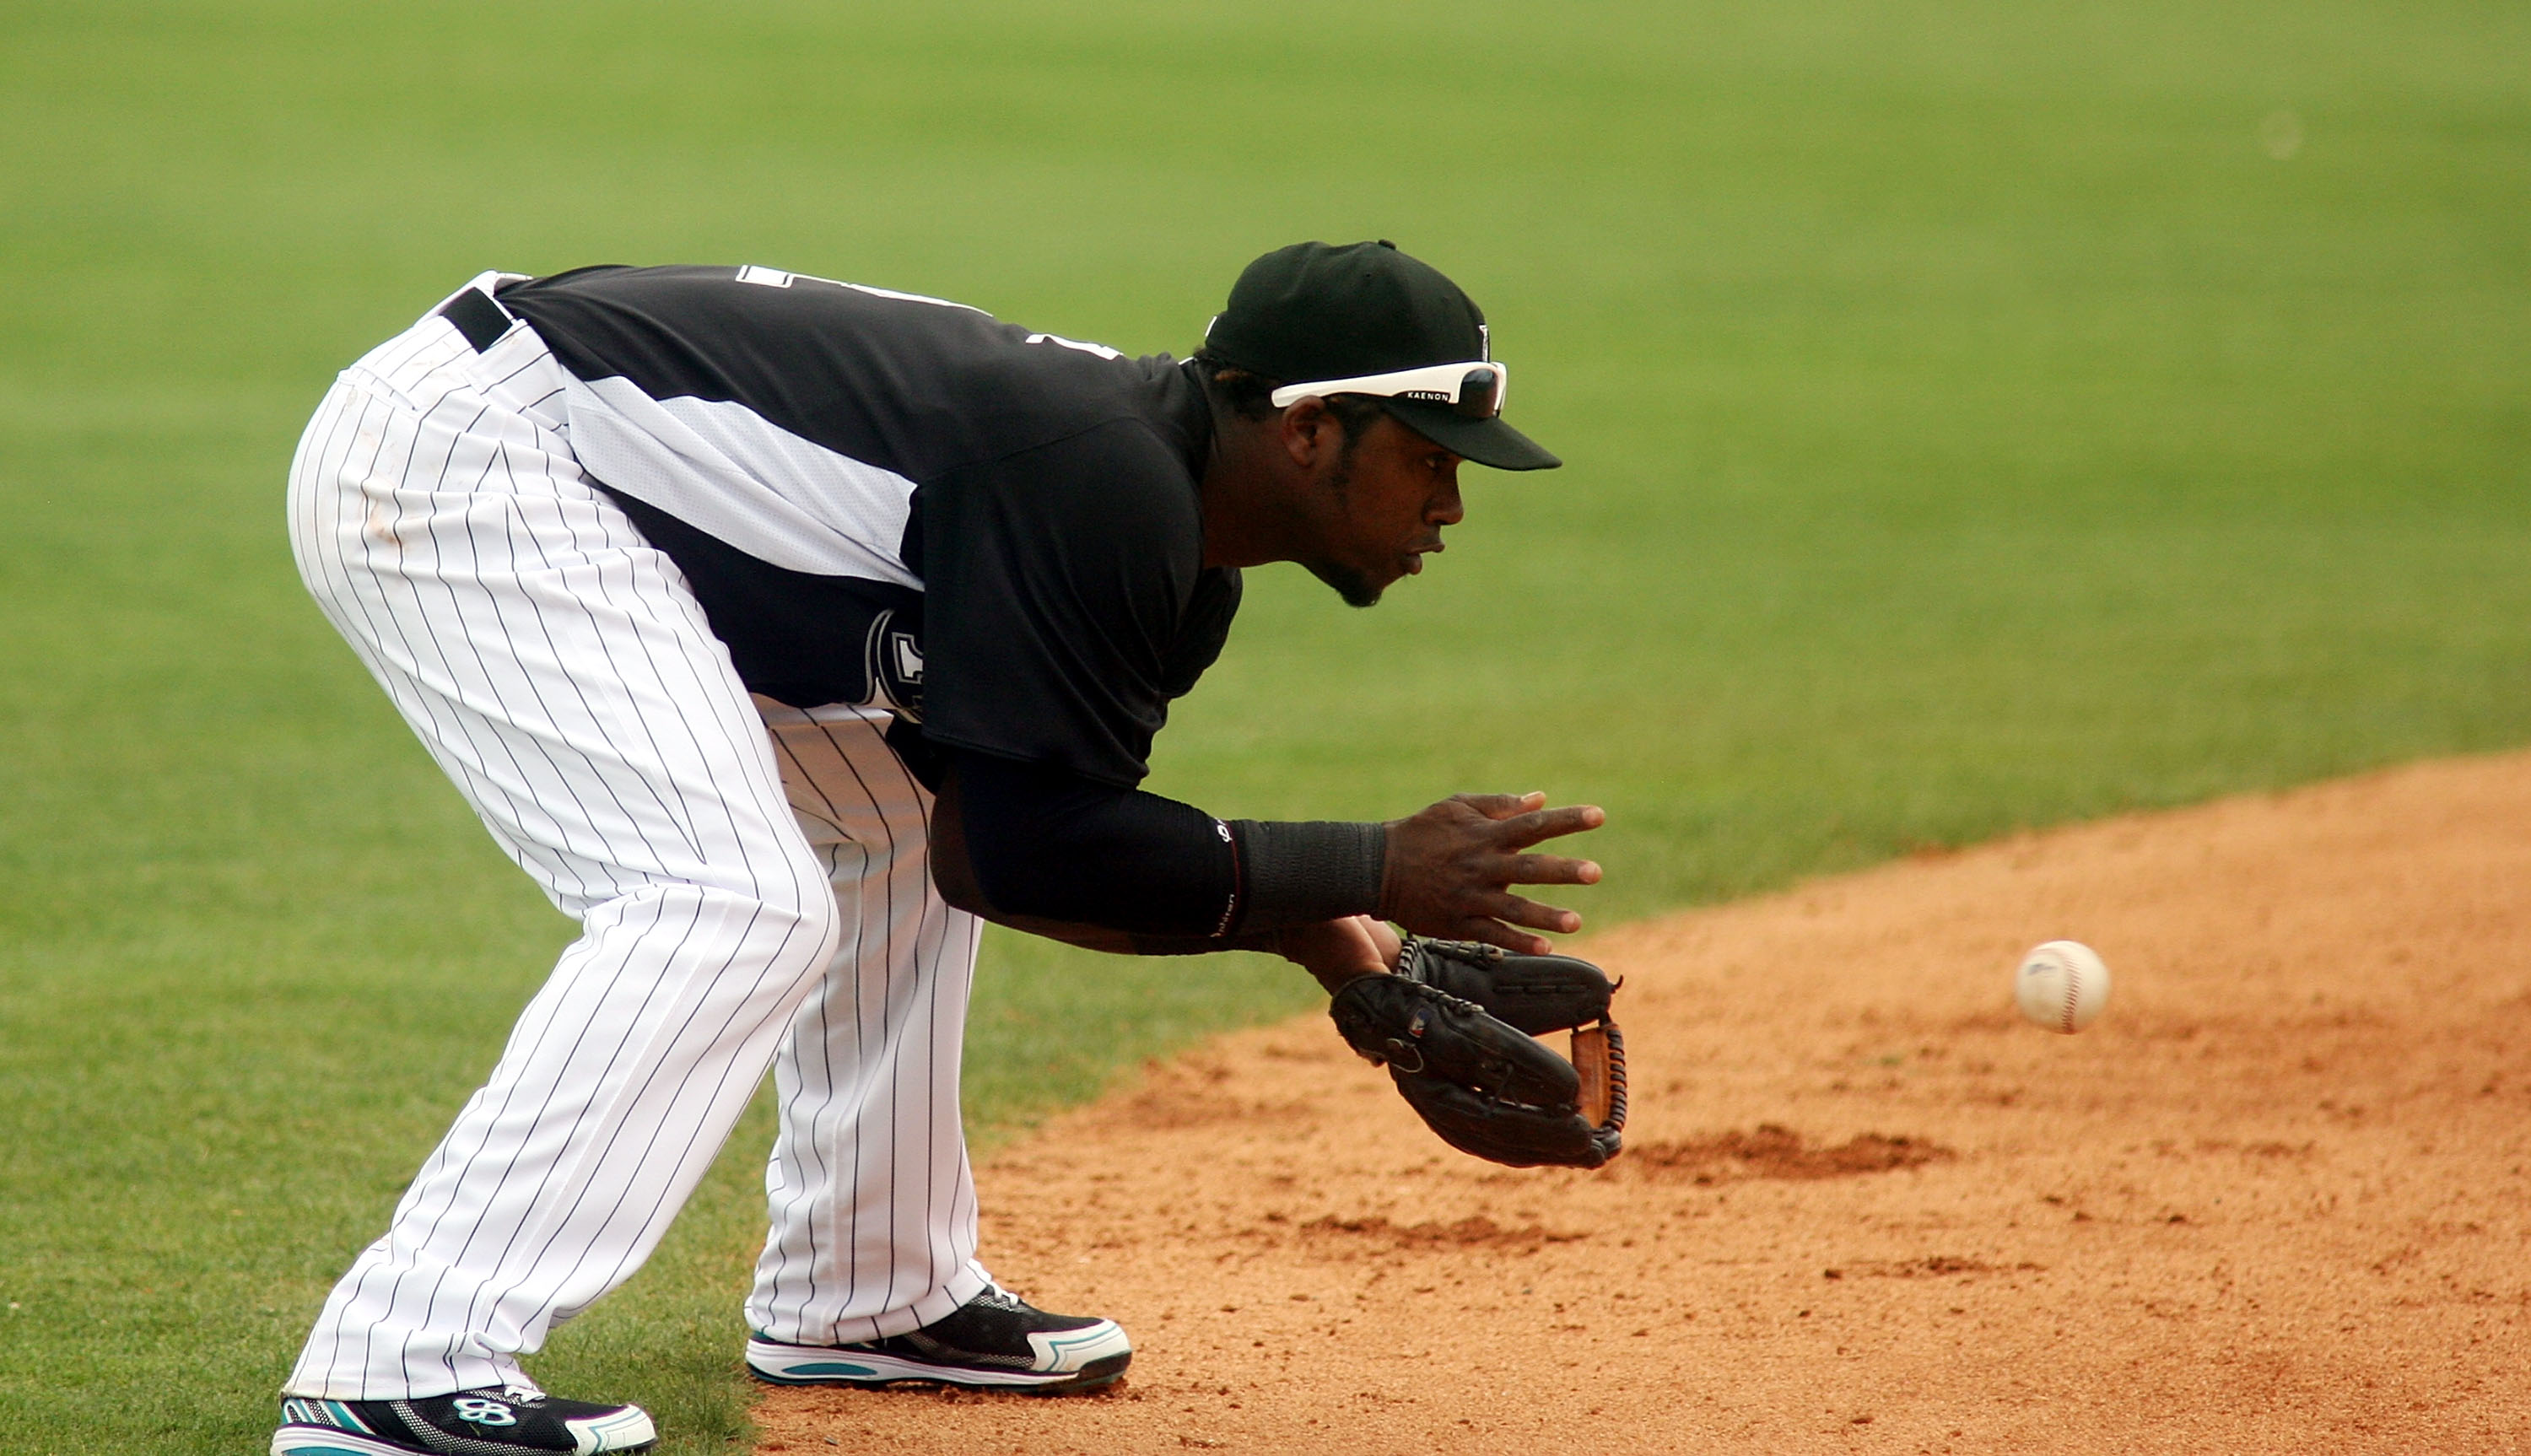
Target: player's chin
[(1357, 587)]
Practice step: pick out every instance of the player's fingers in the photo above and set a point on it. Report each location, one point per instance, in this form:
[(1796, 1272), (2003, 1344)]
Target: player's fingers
[(1500, 805), (1537, 917), (1384, 938), (1521, 830), (1495, 932), (1552, 870)]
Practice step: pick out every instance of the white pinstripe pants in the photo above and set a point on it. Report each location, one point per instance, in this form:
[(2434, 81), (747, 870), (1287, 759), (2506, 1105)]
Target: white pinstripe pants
[(751, 881)]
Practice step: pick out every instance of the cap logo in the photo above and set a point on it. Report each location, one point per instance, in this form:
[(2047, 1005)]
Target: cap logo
[(1484, 344)]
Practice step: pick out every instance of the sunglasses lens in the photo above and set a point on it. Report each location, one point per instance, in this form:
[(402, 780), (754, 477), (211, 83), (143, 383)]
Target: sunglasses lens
[(1480, 394)]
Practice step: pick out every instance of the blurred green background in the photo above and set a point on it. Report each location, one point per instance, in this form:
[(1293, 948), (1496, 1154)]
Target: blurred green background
[(1978, 415)]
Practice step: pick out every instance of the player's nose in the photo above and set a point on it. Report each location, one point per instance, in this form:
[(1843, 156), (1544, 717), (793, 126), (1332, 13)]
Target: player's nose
[(1446, 508)]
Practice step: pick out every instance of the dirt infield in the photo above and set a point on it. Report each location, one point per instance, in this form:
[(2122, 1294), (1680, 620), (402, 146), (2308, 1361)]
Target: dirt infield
[(2273, 1201)]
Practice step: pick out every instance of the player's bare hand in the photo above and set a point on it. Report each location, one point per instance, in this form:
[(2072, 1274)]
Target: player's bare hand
[(1450, 869)]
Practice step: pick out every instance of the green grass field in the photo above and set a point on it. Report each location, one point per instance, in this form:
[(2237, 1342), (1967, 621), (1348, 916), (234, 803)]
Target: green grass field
[(1978, 415)]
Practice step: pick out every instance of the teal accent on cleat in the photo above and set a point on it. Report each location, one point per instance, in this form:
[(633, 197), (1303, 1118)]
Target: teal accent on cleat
[(494, 1421), (995, 1341), (826, 1368)]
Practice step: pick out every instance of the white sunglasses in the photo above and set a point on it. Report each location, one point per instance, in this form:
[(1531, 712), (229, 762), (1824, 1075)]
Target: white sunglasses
[(1474, 389)]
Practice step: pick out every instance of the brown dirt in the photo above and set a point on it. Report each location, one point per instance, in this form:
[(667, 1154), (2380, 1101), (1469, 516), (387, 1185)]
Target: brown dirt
[(2273, 1201)]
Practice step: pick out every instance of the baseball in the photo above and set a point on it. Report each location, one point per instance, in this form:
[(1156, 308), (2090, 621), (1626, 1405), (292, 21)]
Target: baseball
[(2062, 985)]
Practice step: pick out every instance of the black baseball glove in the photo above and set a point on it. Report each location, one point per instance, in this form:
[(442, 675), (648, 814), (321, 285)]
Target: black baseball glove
[(1455, 1027)]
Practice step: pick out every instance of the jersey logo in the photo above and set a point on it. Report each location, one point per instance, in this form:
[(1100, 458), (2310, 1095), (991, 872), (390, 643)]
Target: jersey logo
[(895, 657)]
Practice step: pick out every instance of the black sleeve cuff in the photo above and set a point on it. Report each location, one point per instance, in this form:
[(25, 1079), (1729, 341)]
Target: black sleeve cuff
[(1298, 873)]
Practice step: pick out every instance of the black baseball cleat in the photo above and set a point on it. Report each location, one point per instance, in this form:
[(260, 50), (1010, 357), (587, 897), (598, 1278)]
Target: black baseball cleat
[(492, 1422), (995, 1339)]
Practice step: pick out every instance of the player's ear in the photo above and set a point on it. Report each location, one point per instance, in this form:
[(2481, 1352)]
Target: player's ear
[(1307, 431)]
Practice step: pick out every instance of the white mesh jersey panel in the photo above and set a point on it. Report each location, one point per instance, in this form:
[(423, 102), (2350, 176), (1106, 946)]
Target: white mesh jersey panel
[(722, 468)]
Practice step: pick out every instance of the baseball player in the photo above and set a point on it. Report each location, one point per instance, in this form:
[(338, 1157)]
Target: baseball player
[(783, 631)]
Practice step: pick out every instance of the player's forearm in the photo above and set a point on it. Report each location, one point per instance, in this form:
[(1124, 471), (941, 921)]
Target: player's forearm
[(956, 882), (1095, 864), (1334, 952), (1053, 847), (1090, 864), (1299, 944), (1331, 952), (1130, 943)]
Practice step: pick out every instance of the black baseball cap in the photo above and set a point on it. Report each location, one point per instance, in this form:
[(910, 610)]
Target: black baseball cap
[(1322, 311)]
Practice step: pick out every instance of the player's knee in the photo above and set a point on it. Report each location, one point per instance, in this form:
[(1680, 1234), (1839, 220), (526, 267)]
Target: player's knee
[(805, 910), (783, 910)]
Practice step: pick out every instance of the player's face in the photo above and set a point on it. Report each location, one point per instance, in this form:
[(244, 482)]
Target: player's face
[(1391, 495)]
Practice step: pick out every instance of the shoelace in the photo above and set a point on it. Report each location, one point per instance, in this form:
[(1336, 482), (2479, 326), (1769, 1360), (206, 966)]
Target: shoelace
[(999, 1298)]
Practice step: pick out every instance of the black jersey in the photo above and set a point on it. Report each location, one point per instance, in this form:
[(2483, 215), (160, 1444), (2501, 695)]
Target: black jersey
[(884, 498)]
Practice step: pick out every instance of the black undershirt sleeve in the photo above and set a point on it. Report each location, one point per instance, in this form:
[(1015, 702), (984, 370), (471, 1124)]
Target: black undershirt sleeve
[(1054, 845), (1049, 843)]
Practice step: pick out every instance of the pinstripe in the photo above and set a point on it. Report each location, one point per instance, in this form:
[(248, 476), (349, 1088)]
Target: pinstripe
[(651, 1070), (380, 457), (342, 418), (561, 780), (611, 1149), (845, 1238), (478, 728), (689, 921), (404, 683), (516, 517), (429, 1296), (368, 573), (735, 893), (896, 1209), (934, 1111), (900, 1254), (795, 1209), (801, 1213), (894, 1065), (535, 1196)]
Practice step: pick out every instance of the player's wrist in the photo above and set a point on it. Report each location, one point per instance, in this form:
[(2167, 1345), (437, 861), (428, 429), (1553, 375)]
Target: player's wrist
[(1300, 873), (1334, 952)]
